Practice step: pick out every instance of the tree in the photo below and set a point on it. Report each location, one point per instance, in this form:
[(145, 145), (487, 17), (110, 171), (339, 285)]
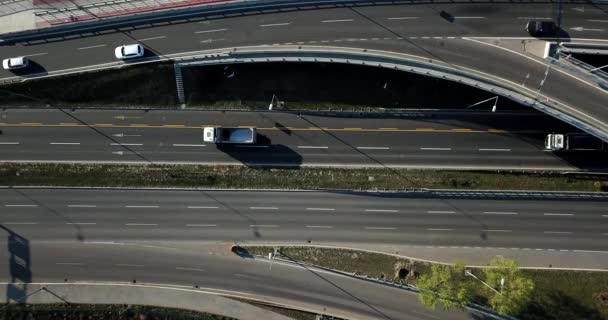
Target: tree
[(445, 285), (517, 288)]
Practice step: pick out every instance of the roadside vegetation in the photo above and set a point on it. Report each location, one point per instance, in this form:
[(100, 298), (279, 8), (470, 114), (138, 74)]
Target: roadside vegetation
[(527, 294), (301, 86), (119, 175), (99, 312)]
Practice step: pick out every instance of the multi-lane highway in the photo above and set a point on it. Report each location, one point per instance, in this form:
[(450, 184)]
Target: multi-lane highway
[(481, 37), (412, 218), (418, 139)]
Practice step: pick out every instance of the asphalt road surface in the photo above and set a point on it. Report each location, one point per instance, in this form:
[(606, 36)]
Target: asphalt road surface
[(470, 219), (435, 140), (412, 29), (212, 268)]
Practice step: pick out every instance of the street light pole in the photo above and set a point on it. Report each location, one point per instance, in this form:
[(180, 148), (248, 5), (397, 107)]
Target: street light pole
[(480, 102)]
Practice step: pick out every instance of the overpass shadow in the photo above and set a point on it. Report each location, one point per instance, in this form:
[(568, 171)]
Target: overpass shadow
[(20, 266)]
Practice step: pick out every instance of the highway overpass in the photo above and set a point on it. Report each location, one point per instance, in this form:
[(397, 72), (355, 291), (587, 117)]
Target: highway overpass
[(484, 42)]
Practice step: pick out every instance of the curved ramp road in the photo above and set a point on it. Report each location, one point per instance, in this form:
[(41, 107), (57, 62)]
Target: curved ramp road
[(213, 270), (569, 222), (435, 140), (487, 38)]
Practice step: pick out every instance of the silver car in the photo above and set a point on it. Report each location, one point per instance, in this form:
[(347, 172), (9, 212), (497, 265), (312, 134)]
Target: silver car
[(15, 63), (129, 51)]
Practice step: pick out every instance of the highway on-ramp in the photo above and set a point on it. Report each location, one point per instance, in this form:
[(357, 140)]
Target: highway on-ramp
[(213, 269), (487, 38), (415, 139)]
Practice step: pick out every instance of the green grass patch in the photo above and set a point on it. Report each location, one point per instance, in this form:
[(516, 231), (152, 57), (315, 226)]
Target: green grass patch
[(100, 312), (558, 294), (109, 175), (375, 265)]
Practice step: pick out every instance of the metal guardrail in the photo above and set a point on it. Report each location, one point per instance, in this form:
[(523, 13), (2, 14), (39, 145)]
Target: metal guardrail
[(582, 67)]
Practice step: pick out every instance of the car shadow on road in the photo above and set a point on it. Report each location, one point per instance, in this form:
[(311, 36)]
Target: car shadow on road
[(263, 154), (34, 69)]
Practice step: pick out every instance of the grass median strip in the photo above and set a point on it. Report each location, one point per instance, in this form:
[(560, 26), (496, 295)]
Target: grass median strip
[(558, 294), (119, 175)]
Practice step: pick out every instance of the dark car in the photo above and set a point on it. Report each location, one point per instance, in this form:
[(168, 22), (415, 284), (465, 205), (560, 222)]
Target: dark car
[(541, 28)]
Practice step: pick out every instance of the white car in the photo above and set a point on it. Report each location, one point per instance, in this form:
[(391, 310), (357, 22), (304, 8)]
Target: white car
[(15, 63), (129, 51)]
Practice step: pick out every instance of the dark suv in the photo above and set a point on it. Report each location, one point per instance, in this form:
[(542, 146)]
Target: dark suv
[(541, 28)]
